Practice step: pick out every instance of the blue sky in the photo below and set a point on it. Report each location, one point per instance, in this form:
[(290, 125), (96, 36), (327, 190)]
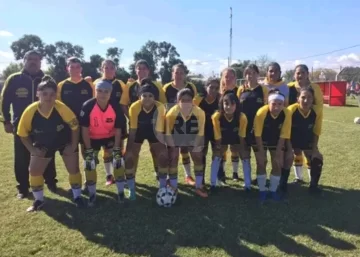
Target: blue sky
[(285, 30)]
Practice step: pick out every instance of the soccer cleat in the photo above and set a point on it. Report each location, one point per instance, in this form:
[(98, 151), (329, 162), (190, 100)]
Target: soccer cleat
[(85, 190), (254, 182), (223, 183), (109, 180), (247, 189), (315, 190), (132, 195), (92, 199), (201, 192), (235, 176), (190, 181), (121, 198), (37, 205), (22, 194), (275, 196), (298, 181), (263, 196), (79, 202), (213, 189)]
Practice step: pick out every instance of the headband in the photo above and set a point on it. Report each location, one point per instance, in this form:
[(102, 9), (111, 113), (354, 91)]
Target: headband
[(273, 97)]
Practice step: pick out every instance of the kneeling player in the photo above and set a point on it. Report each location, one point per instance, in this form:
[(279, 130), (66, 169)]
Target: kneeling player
[(185, 124), (147, 122), (229, 129), (48, 126), (102, 123), (272, 126), (305, 132)]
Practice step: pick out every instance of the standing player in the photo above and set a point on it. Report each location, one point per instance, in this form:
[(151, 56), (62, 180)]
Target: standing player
[(45, 127), (185, 124), (209, 104), (102, 124), (108, 69), (229, 129), (171, 90), (147, 122), (252, 97), (305, 132), (302, 81), (18, 92), (273, 80), (131, 95), (272, 126)]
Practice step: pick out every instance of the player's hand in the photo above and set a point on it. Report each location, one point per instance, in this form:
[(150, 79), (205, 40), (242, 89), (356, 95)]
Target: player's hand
[(117, 158), (9, 128), (89, 161), (39, 152)]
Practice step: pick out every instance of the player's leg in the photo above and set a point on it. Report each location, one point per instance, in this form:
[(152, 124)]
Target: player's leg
[(21, 167), (154, 159), (205, 152), (298, 166), (131, 161), (71, 161), (185, 160), (246, 167), (50, 176), (277, 162), (107, 158), (235, 158), (197, 157), (90, 165), (316, 164), (261, 161), (36, 169), (173, 153), (162, 161), (221, 173), (285, 171), (217, 154)]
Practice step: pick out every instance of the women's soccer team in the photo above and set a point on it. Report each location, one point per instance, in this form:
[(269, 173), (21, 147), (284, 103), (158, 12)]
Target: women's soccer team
[(176, 120)]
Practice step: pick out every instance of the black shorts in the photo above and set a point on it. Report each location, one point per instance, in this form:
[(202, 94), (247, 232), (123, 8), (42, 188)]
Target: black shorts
[(230, 140), (50, 153), (301, 144), (107, 143), (250, 137), (148, 135)]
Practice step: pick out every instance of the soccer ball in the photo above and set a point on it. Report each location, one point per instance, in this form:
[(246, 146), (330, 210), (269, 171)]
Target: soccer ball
[(357, 120), (166, 197)]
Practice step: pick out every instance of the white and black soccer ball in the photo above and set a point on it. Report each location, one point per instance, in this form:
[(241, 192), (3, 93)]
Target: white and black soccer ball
[(166, 197), (357, 120)]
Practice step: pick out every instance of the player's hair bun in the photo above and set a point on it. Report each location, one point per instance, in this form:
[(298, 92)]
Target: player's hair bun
[(47, 78)]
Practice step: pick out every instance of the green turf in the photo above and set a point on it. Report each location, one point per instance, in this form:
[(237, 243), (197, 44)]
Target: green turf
[(231, 223)]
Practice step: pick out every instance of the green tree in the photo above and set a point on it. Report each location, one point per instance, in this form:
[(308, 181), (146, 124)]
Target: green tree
[(350, 74), (240, 67), (114, 53), (263, 62), (26, 43), (289, 75), (147, 56), (10, 69)]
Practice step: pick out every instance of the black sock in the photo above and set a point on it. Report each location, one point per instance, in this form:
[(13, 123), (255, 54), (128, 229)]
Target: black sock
[(315, 173), (284, 179)]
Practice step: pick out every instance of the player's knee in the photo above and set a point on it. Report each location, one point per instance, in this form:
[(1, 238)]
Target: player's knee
[(317, 162), (298, 159), (235, 157)]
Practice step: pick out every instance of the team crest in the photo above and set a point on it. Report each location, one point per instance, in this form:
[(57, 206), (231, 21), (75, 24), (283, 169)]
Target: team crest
[(84, 92), (22, 92)]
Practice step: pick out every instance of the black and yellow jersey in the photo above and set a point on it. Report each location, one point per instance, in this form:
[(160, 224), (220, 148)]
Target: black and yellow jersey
[(118, 89), (185, 129), (131, 95), (251, 100), (294, 90), (209, 108), (227, 130), (75, 94), (51, 131), (304, 126), (271, 128), (171, 92)]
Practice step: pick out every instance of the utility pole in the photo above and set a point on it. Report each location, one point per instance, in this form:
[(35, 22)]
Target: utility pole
[(230, 55)]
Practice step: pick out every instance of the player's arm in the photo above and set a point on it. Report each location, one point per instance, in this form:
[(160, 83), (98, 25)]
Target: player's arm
[(286, 94), (317, 129), (84, 121), (69, 117), (169, 124), (239, 91), (285, 132), (6, 101), (242, 133), (160, 122), (120, 125), (265, 91), (59, 91), (199, 141), (197, 100), (194, 89), (259, 126), (318, 98), (215, 118), (134, 112), (24, 129), (162, 97), (125, 100)]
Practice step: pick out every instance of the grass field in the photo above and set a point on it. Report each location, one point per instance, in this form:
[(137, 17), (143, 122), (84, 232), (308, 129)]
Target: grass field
[(231, 223)]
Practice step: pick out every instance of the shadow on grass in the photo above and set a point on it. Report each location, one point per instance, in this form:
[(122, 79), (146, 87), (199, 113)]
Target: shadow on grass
[(230, 220)]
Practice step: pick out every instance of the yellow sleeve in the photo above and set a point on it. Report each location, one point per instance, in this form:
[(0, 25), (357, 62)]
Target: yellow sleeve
[(292, 108), (216, 125), (200, 115), (92, 87), (265, 94), (259, 120), (318, 123), (134, 112), (67, 115), (123, 88), (24, 127), (125, 99), (160, 121), (286, 127), (243, 125), (59, 89), (319, 98), (197, 100), (170, 119), (239, 91), (194, 89), (162, 98)]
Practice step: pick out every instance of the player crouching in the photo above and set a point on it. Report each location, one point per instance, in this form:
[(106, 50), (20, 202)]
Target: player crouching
[(305, 132), (48, 126), (147, 122), (102, 123)]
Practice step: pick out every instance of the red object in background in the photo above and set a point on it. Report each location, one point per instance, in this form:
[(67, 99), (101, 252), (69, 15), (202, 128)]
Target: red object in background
[(334, 92)]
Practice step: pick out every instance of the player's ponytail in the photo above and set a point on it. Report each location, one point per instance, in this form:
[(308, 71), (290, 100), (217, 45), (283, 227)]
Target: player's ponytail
[(47, 82)]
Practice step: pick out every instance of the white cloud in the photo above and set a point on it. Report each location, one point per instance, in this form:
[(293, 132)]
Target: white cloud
[(9, 43), (107, 40), (349, 58), (7, 55), (4, 33), (195, 62)]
